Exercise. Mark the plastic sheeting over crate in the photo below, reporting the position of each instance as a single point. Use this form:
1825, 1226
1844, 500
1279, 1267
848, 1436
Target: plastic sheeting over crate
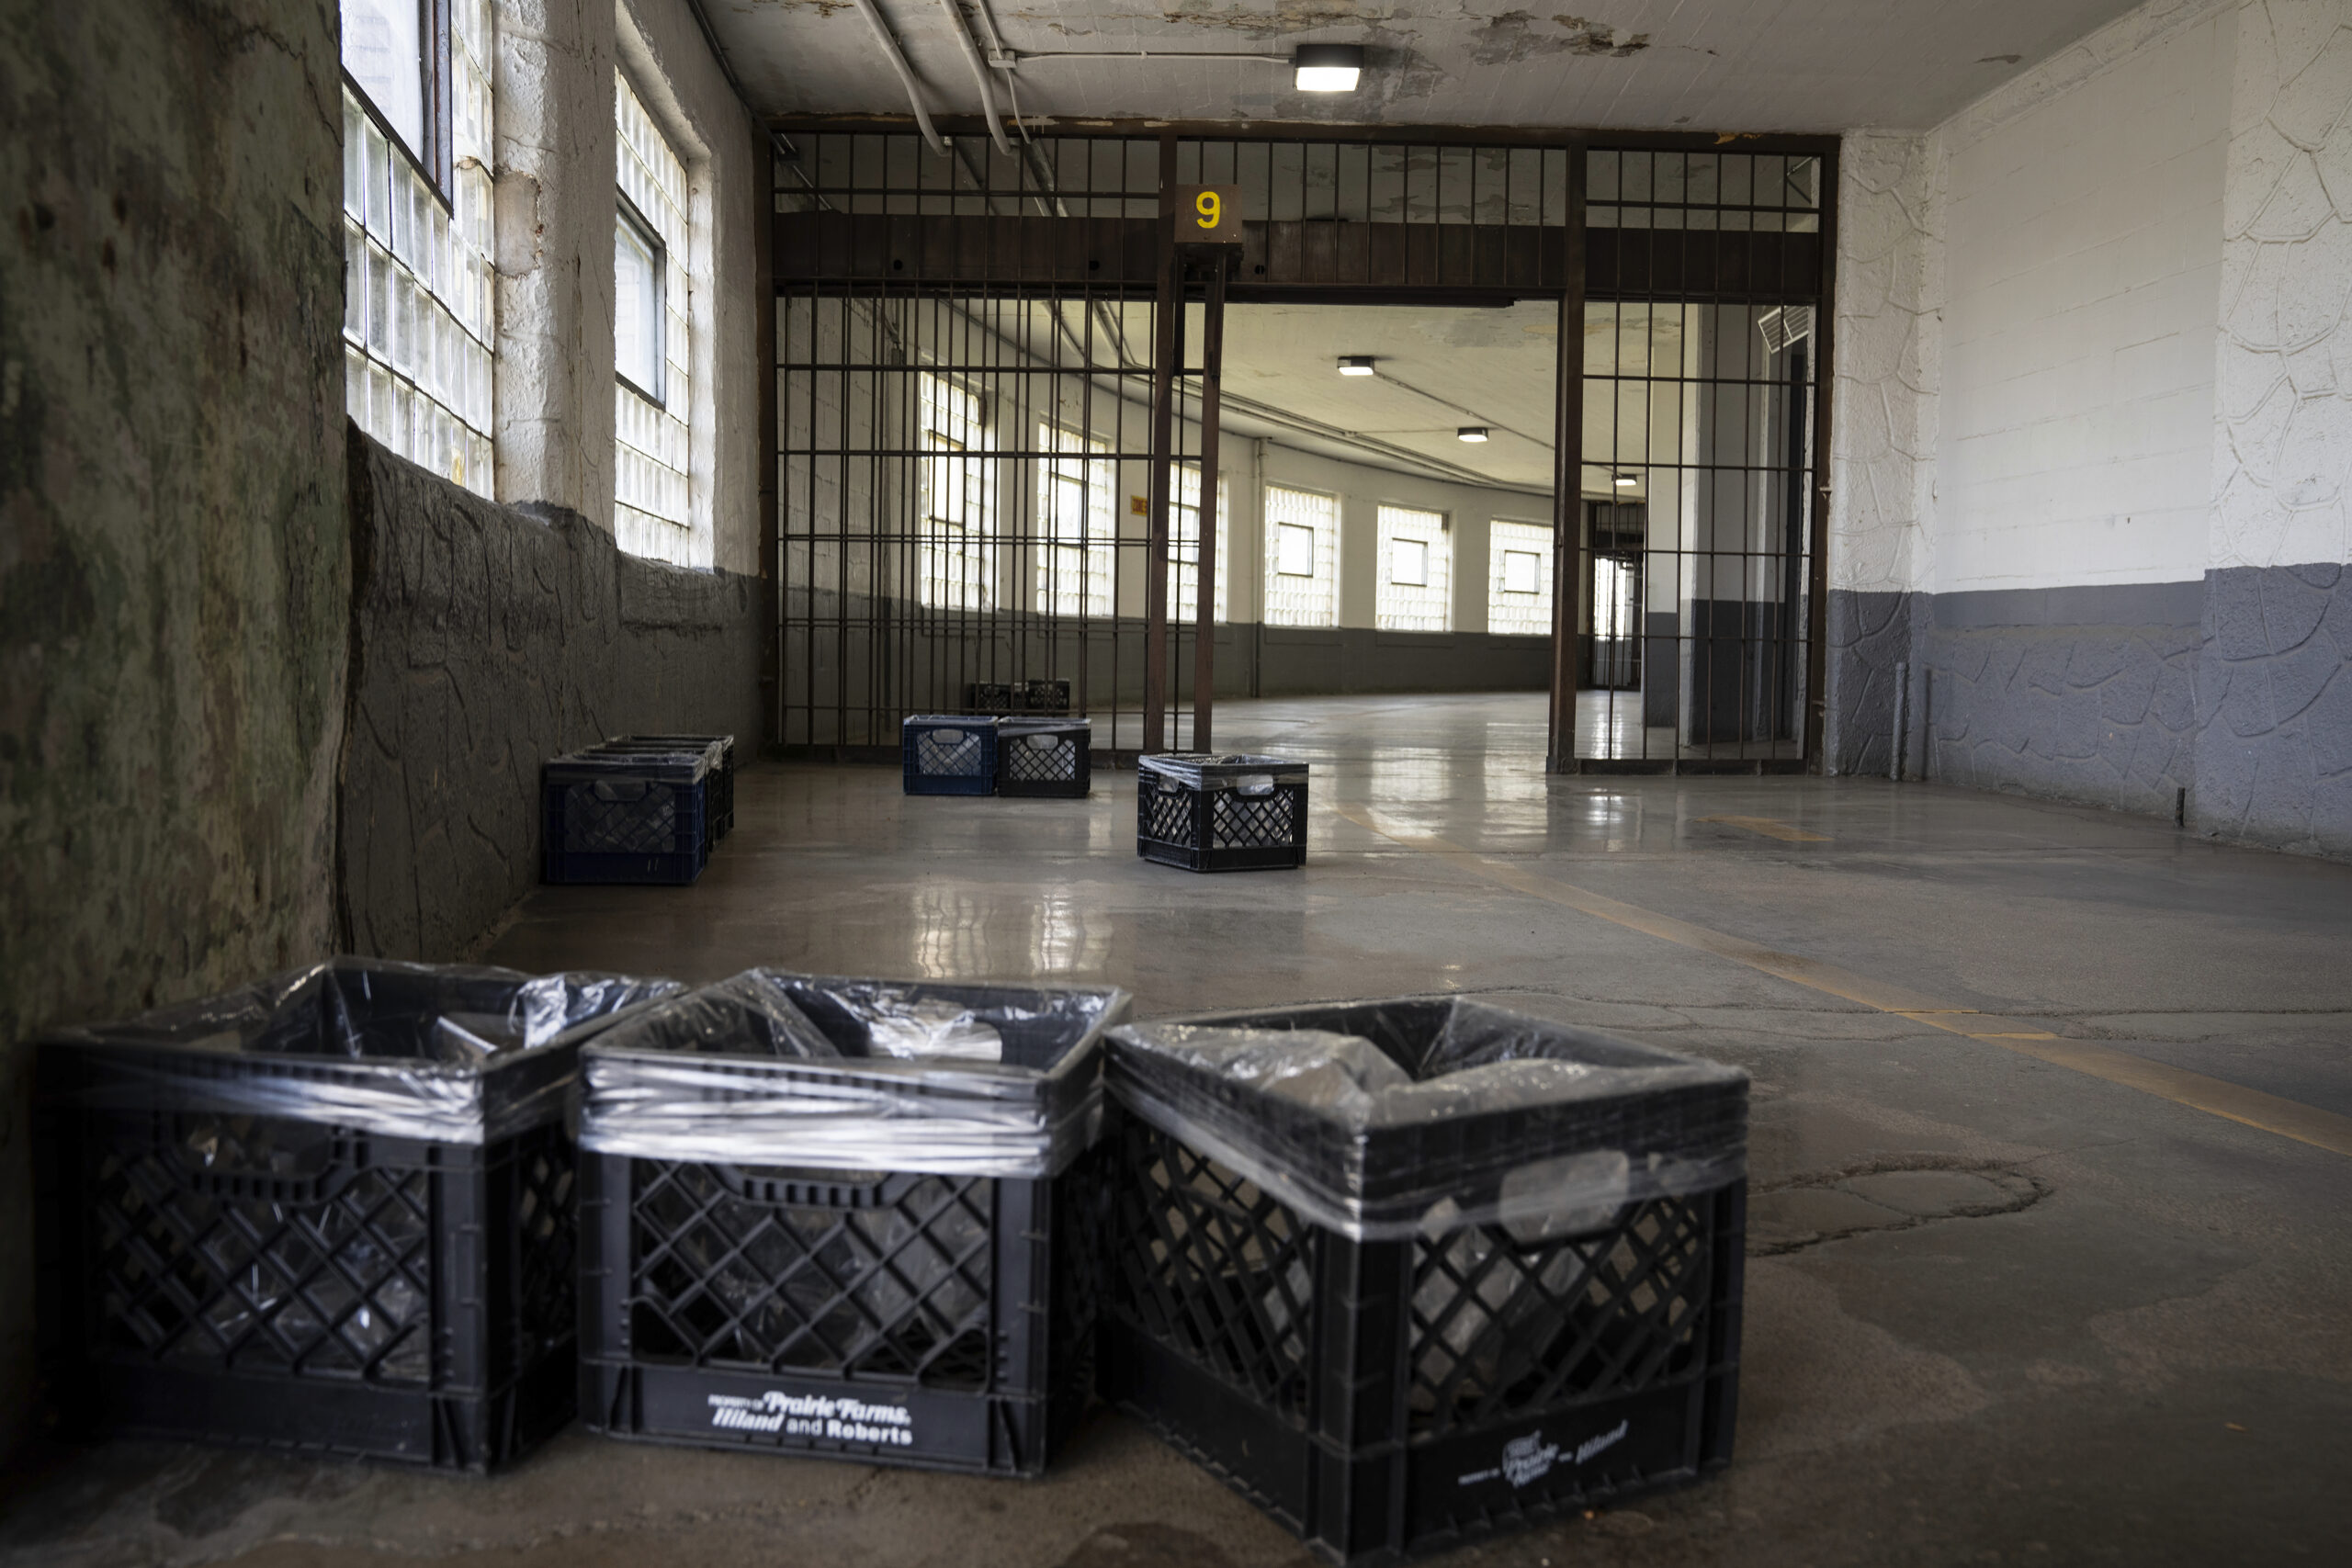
769, 1069
447, 1052
1388, 1119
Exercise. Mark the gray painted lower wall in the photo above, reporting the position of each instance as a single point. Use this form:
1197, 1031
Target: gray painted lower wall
1297, 661
2078, 694
483, 641
1869, 637
2274, 707
2233, 689
930, 659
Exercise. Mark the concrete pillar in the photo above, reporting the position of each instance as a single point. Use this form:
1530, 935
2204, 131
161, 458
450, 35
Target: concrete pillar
556, 171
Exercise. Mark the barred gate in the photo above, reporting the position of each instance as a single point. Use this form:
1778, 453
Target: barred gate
965, 356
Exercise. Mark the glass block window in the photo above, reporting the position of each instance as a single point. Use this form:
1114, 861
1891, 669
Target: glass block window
1415, 587
653, 345
419, 319
1301, 557
956, 552
1184, 549
1076, 504
1519, 583
383, 56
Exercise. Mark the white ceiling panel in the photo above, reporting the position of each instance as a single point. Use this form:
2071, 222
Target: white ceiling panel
1746, 65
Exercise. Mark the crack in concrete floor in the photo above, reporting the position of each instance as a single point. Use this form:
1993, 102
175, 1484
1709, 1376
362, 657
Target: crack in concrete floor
1886, 1192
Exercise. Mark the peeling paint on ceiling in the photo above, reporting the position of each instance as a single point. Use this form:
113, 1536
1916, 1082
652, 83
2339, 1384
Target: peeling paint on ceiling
1725, 65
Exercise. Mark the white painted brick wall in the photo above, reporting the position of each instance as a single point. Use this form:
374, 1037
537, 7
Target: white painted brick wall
2283, 443
2083, 251
2101, 321
1888, 346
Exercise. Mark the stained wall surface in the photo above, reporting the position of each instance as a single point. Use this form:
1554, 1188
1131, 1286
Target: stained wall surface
485, 641
172, 564
184, 581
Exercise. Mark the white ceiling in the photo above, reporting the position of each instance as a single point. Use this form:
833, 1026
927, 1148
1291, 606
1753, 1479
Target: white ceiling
1438, 369
1752, 65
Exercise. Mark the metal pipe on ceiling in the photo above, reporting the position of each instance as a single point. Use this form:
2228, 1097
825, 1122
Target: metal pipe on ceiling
872, 12
971, 51
1013, 59
988, 23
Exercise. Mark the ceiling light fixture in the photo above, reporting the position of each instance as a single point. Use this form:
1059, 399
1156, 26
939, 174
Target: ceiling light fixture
1356, 364
1326, 67
1627, 481
1474, 434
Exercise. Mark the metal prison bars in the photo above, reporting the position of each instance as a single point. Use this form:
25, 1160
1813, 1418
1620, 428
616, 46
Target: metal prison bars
1695, 606
965, 411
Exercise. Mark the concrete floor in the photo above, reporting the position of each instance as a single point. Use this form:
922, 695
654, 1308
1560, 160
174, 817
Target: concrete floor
2019, 1288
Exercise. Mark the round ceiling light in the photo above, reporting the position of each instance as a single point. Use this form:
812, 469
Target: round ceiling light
1474, 434
1356, 364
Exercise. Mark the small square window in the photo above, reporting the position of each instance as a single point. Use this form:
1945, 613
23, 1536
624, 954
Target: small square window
1523, 571
1408, 563
1293, 550
638, 268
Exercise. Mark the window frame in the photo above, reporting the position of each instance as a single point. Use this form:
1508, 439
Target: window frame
438, 159
1185, 547
966, 541
1534, 589
1325, 555
1062, 449
1282, 553
1437, 559
1508, 537
625, 213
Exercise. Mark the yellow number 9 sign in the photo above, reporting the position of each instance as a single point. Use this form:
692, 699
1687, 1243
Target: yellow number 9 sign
1211, 211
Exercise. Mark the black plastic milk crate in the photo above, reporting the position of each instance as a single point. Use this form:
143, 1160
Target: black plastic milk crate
949, 754
623, 818
991, 697
1221, 813
943, 1322
1386, 1398
1045, 757
720, 798
1042, 696
217, 1275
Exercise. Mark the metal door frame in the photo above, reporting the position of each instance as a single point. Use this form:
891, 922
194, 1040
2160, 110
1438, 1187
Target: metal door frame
1530, 269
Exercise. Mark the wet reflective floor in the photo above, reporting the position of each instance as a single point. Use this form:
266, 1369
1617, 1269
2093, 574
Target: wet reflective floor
2050, 1155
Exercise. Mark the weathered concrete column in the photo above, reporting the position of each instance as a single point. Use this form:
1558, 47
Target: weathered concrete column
555, 169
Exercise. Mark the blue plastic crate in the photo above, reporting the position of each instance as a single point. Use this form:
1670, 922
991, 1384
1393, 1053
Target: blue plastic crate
620, 817
722, 779
718, 788
949, 754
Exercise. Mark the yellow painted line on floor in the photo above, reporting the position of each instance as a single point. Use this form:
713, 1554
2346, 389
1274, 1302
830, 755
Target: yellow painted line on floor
1771, 828
2269, 1112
